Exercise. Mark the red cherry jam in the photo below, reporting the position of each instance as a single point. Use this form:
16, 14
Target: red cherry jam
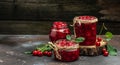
85, 26
67, 50
59, 30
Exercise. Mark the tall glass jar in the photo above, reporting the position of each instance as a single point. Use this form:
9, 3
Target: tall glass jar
59, 30
85, 26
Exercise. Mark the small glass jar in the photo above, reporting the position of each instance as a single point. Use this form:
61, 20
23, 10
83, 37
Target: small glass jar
67, 51
68, 55
85, 26
58, 31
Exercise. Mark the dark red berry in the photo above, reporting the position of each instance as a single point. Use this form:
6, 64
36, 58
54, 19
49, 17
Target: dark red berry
104, 50
97, 43
35, 52
106, 53
99, 39
45, 53
49, 54
40, 53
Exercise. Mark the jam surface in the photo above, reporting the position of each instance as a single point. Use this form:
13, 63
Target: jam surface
68, 55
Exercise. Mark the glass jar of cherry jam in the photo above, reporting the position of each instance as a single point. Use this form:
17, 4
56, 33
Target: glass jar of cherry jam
66, 50
59, 30
85, 26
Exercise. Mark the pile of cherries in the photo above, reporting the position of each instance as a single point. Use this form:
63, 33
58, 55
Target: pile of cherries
65, 43
87, 17
104, 50
59, 24
67, 55
40, 53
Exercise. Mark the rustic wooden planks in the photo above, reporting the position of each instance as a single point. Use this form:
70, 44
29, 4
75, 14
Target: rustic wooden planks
47, 9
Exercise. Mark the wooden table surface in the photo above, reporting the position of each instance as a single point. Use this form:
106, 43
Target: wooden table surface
12, 48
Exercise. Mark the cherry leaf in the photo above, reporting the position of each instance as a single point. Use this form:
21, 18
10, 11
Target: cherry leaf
68, 37
28, 52
79, 39
44, 47
108, 39
108, 35
112, 51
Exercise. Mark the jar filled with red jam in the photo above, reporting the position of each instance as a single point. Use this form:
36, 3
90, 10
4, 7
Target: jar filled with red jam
85, 26
58, 31
66, 50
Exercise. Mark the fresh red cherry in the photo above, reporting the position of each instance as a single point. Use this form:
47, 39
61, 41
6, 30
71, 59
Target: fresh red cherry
104, 50
106, 53
45, 53
40, 53
35, 52
97, 43
49, 54
99, 39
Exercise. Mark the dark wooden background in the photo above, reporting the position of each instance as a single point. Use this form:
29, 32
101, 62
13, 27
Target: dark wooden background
36, 16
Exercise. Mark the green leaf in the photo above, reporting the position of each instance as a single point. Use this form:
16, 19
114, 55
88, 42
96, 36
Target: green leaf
112, 51
68, 37
28, 52
44, 48
41, 45
108, 35
79, 39
108, 39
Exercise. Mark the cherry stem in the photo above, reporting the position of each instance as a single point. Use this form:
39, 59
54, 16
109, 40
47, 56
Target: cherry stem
103, 27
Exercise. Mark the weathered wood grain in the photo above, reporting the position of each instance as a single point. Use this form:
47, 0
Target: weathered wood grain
47, 9
43, 27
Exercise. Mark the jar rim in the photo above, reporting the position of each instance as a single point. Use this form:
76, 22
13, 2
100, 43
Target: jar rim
79, 20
